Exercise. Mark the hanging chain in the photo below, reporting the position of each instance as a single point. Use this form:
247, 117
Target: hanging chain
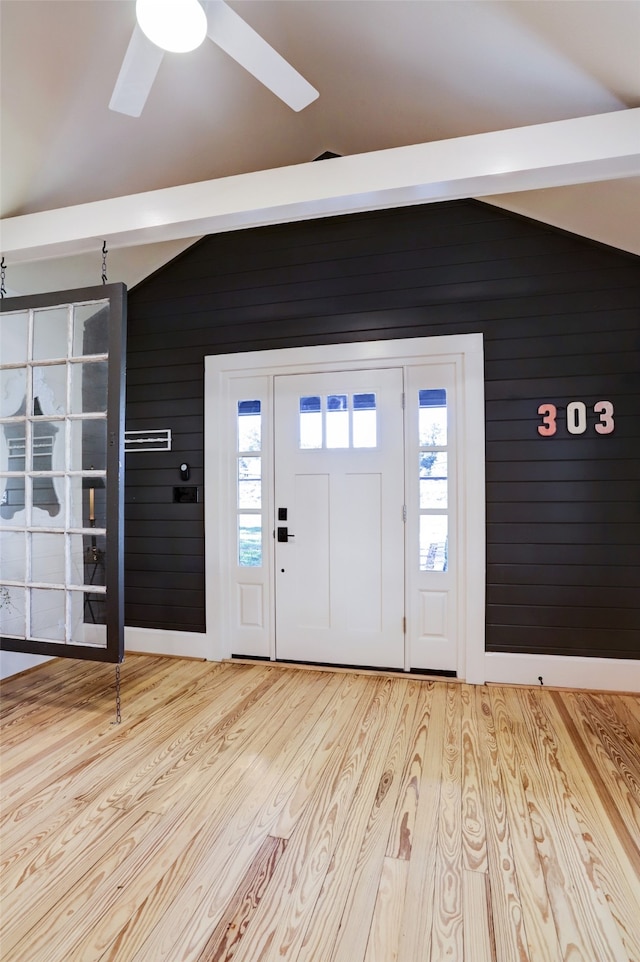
118, 708
3, 274
104, 262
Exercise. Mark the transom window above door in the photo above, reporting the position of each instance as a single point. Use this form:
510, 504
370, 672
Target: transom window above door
334, 421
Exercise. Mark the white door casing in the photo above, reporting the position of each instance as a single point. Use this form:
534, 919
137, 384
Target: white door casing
445, 615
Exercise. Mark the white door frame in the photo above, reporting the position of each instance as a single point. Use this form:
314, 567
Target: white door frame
466, 351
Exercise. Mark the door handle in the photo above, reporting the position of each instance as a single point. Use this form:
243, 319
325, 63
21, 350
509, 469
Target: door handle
284, 534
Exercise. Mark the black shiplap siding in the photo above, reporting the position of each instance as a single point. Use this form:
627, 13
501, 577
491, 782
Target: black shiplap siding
561, 322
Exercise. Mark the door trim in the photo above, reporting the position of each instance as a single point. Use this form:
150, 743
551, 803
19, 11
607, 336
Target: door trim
466, 350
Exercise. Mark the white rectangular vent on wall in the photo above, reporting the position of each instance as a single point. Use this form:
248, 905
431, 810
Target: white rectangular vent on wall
157, 440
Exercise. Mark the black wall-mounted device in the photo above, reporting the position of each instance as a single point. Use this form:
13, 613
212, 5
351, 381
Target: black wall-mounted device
185, 471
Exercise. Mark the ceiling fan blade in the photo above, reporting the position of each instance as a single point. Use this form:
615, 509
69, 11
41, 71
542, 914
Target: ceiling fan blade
137, 73
230, 32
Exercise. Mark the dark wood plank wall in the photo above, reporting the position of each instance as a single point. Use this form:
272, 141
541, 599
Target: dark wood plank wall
561, 322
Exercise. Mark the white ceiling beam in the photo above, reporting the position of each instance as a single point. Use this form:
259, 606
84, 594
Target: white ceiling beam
582, 150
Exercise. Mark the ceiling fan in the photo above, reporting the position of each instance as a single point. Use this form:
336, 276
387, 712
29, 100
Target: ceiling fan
228, 30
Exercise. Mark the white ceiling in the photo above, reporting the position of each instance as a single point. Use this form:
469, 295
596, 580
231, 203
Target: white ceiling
389, 72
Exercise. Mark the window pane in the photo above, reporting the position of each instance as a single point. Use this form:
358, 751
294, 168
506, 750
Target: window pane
249, 482
433, 479
47, 496
88, 559
432, 418
48, 445
12, 611
364, 421
249, 426
433, 542
13, 337
249, 540
337, 421
310, 422
47, 614
88, 445
90, 328
12, 553
47, 558
13, 391
89, 388
88, 616
50, 333
49, 390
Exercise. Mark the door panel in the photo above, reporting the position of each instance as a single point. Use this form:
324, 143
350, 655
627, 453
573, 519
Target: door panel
339, 473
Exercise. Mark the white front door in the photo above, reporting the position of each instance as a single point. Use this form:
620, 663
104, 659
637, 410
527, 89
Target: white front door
339, 503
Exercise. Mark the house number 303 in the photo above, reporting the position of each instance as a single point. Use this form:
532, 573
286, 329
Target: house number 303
576, 418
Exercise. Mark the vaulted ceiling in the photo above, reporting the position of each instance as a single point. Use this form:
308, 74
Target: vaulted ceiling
389, 73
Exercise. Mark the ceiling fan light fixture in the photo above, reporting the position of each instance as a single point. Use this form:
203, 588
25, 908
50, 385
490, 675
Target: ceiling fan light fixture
175, 25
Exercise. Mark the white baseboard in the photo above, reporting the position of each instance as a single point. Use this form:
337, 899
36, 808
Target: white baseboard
156, 641
559, 671
13, 662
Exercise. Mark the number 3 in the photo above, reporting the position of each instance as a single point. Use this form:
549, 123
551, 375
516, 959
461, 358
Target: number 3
548, 426
605, 410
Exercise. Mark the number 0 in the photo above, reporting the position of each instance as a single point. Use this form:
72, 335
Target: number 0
576, 417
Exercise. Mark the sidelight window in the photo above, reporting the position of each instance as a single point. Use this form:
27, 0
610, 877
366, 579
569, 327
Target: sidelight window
249, 484
433, 480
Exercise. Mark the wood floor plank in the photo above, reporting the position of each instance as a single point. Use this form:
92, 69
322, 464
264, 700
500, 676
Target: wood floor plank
321, 817
584, 925
506, 904
383, 943
613, 852
474, 838
447, 929
538, 920
402, 828
351, 884
478, 930
303, 871
417, 920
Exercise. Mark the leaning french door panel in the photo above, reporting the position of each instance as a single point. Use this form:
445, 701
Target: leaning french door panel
339, 494
433, 545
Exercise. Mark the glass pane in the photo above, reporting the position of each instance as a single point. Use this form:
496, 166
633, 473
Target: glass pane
433, 542
249, 540
88, 559
12, 511
13, 391
337, 421
14, 328
249, 483
89, 388
310, 422
88, 444
50, 333
49, 390
47, 558
47, 499
47, 614
432, 418
88, 618
12, 611
433, 479
87, 502
90, 328
364, 421
249, 426
12, 555
48, 445
12, 453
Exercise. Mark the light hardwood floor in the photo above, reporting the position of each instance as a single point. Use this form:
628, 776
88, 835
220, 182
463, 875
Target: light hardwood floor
256, 813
